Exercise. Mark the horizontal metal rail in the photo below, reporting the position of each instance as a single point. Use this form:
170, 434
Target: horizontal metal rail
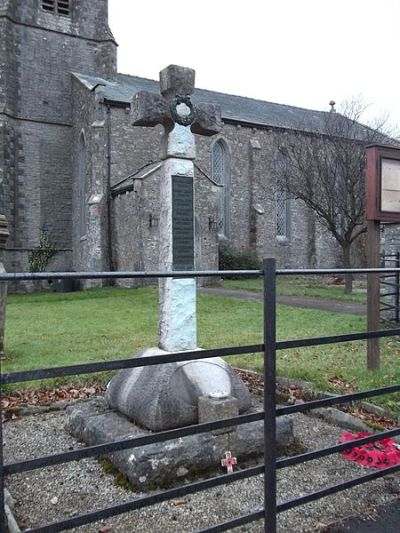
319, 341
125, 444
337, 448
145, 501
236, 522
31, 276
301, 500
163, 436
346, 398
87, 368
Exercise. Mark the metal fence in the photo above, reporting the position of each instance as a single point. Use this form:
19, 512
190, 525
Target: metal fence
271, 463
390, 289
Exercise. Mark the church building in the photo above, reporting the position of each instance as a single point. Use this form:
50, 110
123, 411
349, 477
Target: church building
74, 168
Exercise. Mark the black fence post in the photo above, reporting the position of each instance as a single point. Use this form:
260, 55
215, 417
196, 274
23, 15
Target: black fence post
397, 289
2, 502
3, 294
269, 395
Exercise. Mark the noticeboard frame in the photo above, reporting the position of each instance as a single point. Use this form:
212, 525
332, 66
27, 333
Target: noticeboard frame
375, 155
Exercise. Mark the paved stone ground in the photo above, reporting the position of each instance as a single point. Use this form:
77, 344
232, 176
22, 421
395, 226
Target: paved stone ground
336, 306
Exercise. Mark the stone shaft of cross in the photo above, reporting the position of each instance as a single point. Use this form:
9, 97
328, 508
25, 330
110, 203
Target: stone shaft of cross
181, 119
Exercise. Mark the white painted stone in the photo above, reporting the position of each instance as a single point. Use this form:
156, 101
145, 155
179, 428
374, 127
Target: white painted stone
180, 143
178, 329
208, 382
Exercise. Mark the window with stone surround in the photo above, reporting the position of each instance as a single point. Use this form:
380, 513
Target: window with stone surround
82, 186
221, 176
282, 201
282, 215
61, 7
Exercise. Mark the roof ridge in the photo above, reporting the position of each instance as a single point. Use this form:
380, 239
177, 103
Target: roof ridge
232, 95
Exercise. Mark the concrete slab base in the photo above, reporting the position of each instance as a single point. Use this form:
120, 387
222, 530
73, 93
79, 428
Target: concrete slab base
163, 464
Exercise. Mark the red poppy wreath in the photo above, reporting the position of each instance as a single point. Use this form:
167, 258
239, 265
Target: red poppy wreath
379, 454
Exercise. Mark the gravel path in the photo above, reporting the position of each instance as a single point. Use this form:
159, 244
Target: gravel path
52, 493
305, 302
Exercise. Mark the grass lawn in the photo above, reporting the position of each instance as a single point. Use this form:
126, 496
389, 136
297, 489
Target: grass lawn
54, 329
317, 287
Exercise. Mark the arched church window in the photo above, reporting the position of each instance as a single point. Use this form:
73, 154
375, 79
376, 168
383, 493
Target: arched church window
282, 215
61, 7
82, 186
221, 176
282, 199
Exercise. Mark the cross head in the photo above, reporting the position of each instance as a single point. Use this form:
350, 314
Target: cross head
174, 105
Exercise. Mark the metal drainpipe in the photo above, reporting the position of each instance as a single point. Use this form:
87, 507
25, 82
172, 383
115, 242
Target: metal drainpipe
109, 199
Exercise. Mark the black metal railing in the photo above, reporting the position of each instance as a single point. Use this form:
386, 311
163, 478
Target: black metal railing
390, 289
269, 347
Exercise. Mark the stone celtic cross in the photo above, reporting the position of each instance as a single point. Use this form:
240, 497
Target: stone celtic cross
173, 108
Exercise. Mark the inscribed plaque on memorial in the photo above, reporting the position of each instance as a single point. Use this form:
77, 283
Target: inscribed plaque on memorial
390, 194
182, 223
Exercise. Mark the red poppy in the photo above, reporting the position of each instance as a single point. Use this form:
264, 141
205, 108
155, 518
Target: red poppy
379, 454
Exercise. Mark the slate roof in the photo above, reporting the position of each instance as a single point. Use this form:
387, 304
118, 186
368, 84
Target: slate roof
236, 108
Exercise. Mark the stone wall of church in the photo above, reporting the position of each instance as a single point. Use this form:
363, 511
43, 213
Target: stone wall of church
252, 157
252, 194
136, 228
42, 189
90, 228
9, 67
38, 51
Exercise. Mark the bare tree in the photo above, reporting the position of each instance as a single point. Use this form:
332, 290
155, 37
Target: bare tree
326, 170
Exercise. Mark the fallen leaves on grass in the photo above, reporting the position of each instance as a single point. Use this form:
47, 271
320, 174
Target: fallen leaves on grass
342, 384
294, 394
371, 418
252, 381
12, 403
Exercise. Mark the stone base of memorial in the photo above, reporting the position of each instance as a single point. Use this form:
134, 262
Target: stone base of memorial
158, 398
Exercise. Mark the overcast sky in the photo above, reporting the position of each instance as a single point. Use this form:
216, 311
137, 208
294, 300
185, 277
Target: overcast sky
298, 52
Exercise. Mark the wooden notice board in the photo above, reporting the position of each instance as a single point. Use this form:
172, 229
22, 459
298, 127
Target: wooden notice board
383, 184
